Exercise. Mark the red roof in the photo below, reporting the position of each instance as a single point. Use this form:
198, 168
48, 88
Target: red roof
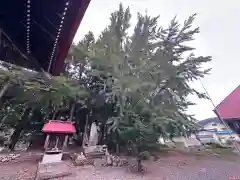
57, 126
229, 108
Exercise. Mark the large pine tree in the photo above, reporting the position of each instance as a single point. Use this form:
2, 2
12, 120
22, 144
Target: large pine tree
146, 74
136, 83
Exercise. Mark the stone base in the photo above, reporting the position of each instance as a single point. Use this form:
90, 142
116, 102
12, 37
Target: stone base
52, 170
81, 160
95, 151
97, 148
52, 158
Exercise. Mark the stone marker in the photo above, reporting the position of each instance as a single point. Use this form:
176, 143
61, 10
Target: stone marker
53, 170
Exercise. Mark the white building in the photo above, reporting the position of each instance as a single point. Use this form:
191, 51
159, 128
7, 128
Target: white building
214, 128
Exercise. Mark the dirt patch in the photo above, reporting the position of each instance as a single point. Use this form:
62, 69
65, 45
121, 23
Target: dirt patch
22, 168
18, 171
172, 166
53, 170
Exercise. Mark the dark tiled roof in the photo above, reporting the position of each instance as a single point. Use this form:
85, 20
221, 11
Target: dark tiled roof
209, 120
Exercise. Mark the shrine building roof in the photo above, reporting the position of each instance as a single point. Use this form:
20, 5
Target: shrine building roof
229, 108
58, 126
42, 29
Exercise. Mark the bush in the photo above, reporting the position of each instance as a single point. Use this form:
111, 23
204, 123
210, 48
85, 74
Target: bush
163, 146
229, 142
145, 155
216, 145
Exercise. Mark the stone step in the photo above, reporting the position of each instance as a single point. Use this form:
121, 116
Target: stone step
53, 170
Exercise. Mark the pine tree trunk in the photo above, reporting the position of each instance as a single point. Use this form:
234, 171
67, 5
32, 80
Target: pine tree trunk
19, 128
85, 130
117, 149
3, 120
139, 165
71, 112
4, 89
65, 143
55, 113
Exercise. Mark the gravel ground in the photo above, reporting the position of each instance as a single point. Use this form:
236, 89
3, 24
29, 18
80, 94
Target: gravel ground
165, 169
18, 171
170, 168
22, 168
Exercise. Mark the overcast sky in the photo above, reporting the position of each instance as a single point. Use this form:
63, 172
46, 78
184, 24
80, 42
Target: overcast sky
219, 37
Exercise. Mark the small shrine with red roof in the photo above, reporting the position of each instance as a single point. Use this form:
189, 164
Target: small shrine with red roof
57, 138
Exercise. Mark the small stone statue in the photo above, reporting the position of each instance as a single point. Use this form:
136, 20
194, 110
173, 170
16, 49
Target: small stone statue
93, 138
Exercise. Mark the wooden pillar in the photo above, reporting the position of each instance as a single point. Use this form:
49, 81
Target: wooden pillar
46, 142
57, 141
65, 142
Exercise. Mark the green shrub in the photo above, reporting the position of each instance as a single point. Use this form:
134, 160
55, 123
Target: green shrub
216, 145
229, 142
163, 146
145, 155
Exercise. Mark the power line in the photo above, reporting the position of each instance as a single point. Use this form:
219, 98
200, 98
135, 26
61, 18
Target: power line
218, 115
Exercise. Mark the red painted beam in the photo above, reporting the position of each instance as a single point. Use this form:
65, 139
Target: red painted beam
58, 64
